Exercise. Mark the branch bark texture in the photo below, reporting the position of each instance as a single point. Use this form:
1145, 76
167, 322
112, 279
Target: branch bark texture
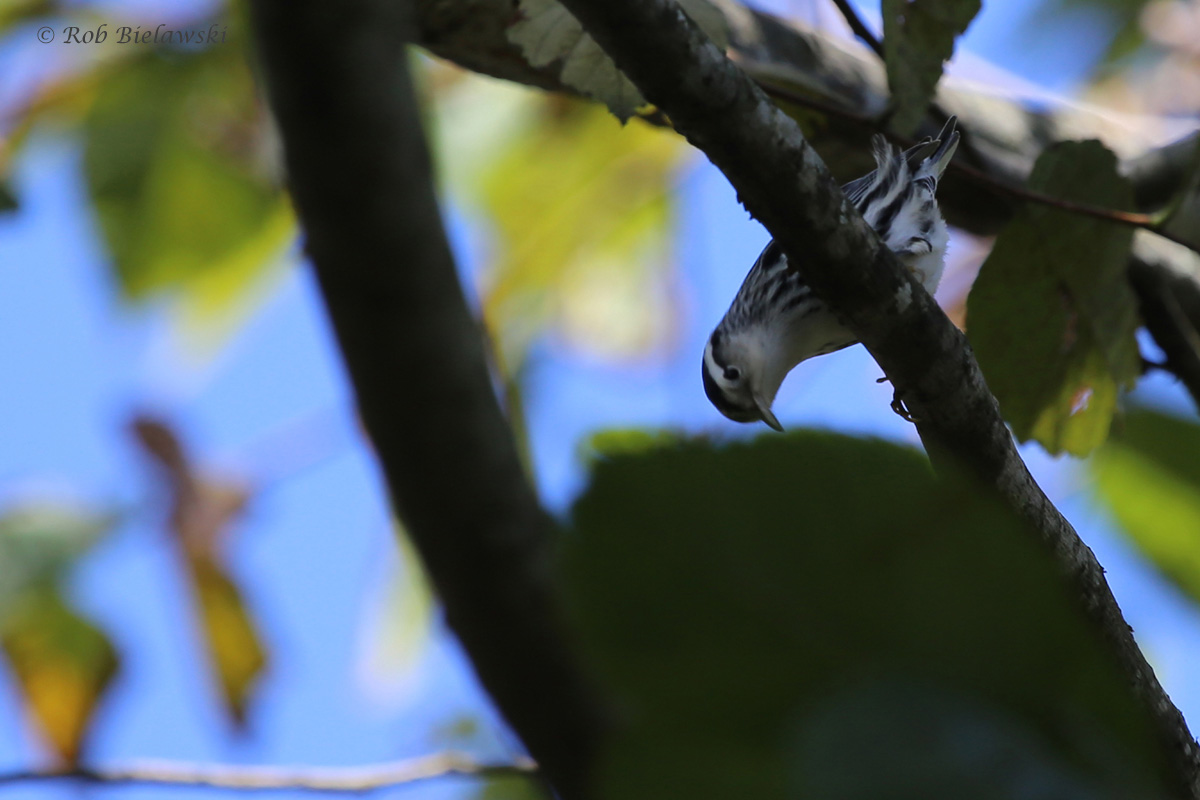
783, 183
360, 176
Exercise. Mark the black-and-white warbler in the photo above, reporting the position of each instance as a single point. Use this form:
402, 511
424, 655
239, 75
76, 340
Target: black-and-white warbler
775, 321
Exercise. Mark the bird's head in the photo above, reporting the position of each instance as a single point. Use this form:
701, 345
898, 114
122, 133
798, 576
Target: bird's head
740, 378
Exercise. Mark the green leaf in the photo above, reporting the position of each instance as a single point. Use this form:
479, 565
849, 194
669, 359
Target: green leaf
926, 742
39, 542
725, 593
615, 442
515, 787
172, 157
1149, 476
62, 663
1051, 316
546, 33
918, 38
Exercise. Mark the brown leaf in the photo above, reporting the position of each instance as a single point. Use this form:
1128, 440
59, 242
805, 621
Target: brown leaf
202, 512
62, 663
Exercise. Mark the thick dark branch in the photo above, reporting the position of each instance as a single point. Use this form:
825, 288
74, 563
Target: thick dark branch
784, 184
359, 171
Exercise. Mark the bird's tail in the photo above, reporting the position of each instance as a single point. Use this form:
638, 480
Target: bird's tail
946, 143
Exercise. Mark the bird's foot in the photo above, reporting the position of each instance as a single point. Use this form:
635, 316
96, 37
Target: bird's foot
898, 403
901, 409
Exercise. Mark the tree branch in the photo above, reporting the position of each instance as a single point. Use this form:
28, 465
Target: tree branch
856, 25
326, 779
1166, 278
359, 172
785, 185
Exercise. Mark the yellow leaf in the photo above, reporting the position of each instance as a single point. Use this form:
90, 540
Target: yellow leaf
62, 662
234, 646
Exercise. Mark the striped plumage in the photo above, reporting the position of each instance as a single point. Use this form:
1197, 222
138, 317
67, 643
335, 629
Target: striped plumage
775, 321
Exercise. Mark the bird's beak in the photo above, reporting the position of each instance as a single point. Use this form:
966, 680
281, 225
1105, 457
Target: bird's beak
764, 410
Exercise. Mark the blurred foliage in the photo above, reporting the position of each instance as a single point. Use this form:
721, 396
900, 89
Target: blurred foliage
546, 32
179, 160
174, 167
14, 12
8, 200
202, 512
1051, 316
768, 607
580, 208
399, 635
918, 37
512, 788
1165, 78
624, 441
1149, 475
61, 661
926, 742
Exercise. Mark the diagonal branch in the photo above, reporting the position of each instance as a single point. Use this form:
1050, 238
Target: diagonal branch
860, 29
242, 778
1166, 278
783, 182
338, 81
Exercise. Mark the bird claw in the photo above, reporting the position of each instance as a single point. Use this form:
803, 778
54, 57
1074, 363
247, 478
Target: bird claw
898, 404
901, 409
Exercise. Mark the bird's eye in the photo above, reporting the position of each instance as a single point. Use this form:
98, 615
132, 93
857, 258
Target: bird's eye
733, 374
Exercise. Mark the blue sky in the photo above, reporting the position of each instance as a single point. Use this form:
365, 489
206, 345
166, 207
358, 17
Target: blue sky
316, 554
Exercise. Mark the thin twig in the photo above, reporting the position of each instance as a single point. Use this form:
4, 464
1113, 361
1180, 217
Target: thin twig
323, 779
860, 29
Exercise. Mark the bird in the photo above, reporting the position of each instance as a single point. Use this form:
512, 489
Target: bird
776, 321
